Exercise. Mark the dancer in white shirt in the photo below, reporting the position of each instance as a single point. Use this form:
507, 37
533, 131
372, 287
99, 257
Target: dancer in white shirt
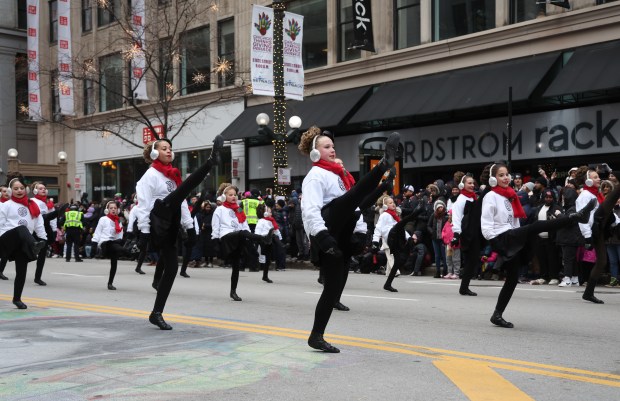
20, 217
39, 190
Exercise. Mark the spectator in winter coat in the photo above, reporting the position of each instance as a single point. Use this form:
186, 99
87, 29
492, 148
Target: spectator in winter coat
435, 228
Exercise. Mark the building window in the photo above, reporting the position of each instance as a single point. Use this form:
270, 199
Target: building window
604, 1
22, 19
166, 69
53, 5
89, 97
55, 96
314, 50
524, 10
226, 53
452, 18
346, 24
108, 12
21, 86
87, 15
406, 23
195, 61
110, 82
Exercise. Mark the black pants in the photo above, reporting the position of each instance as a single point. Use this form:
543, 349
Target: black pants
73, 241
3, 264
335, 268
569, 259
511, 265
40, 262
547, 253
168, 264
16, 244
113, 250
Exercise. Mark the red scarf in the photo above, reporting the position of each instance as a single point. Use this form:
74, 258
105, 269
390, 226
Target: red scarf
117, 226
3, 199
594, 191
337, 169
30, 204
393, 214
166, 169
237, 209
468, 194
273, 221
511, 195
48, 203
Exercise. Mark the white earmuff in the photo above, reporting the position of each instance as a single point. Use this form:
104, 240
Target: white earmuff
492, 179
385, 206
9, 191
35, 191
106, 210
462, 183
589, 181
154, 152
315, 155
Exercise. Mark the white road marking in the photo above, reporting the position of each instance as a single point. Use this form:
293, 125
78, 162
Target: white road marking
368, 296
76, 275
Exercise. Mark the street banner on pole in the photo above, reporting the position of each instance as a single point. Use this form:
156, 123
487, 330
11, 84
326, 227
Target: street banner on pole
262, 51
65, 64
293, 64
138, 61
363, 38
34, 89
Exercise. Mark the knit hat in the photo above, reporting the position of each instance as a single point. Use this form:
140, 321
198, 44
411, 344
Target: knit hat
408, 188
541, 180
439, 203
529, 185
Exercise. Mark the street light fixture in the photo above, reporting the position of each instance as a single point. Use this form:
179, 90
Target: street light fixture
62, 156
291, 136
262, 119
13, 153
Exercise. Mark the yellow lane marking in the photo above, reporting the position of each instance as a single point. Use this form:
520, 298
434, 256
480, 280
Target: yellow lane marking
479, 382
607, 379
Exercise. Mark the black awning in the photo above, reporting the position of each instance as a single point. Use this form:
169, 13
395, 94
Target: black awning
327, 110
591, 68
456, 90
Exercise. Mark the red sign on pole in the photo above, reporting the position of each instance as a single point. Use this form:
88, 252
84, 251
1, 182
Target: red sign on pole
148, 135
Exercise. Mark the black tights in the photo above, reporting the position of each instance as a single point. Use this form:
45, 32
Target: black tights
113, 250
3, 264
40, 262
398, 244
168, 265
21, 268
335, 267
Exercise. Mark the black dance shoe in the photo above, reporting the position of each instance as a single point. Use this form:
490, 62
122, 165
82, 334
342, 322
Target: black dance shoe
391, 149
467, 292
20, 304
341, 307
317, 341
267, 280
79, 260
218, 144
592, 298
40, 282
158, 320
111, 287
3, 277
139, 271
389, 288
184, 274
234, 296
498, 320
583, 216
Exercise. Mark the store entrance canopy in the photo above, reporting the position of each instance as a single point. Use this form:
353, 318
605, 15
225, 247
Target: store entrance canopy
327, 110
591, 68
455, 90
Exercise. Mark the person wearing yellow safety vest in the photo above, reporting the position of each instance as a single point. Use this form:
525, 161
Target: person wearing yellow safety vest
250, 203
73, 229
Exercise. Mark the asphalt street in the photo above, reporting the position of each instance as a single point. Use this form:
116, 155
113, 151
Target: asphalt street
79, 341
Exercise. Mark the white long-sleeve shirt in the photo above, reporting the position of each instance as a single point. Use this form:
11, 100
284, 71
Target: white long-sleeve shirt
44, 210
13, 214
131, 219
154, 185
319, 188
458, 212
263, 226
225, 221
383, 227
106, 231
581, 202
497, 216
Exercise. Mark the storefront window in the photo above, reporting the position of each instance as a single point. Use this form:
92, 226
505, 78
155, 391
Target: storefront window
346, 23
314, 50
406, 23
524, 10
452, 18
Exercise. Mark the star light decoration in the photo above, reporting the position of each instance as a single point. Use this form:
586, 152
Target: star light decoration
199, 78
223, 66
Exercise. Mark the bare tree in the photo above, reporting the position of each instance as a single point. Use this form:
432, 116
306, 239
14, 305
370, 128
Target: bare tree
174, 44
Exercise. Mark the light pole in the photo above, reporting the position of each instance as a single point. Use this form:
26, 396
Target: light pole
280, 158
